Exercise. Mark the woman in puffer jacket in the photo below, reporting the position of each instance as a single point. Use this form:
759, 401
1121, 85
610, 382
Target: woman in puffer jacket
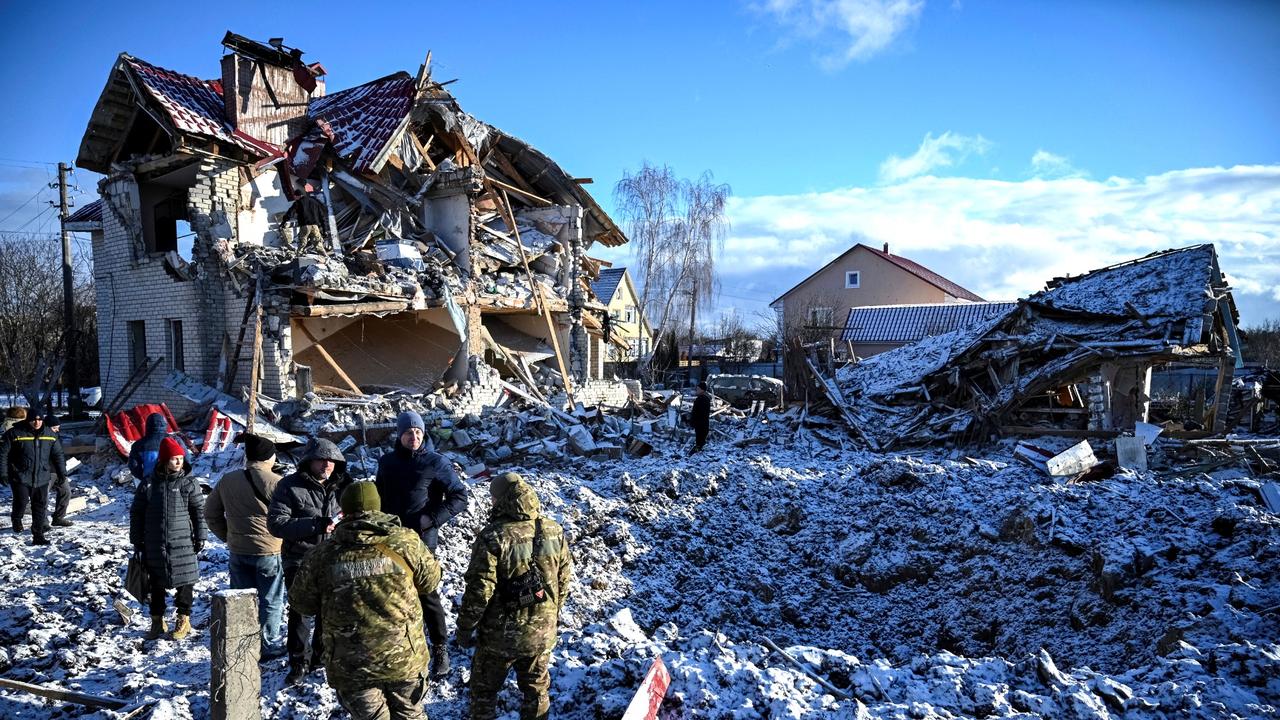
167, 527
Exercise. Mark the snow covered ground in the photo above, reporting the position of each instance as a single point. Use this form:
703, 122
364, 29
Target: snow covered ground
923, 585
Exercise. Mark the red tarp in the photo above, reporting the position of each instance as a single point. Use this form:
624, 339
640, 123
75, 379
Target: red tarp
128, 426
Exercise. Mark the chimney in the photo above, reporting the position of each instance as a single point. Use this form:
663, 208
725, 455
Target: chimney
886, 248
263, 99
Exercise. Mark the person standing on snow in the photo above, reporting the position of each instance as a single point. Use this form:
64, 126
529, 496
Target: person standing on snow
237, 513
29, 454
146, 450
166, 526
61, 483
700, 417
304, 510
368, 581
517, 582
422, 489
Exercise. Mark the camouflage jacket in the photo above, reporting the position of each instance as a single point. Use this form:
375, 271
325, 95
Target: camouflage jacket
501, 551
366, 581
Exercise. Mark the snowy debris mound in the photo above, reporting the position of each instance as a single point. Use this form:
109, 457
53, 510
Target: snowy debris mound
915, 586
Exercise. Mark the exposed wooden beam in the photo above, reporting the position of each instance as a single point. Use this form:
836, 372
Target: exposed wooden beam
333, 364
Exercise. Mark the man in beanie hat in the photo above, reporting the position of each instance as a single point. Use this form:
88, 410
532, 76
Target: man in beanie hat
421, 487
517, 582
303, 511
61, 483
236, 511
28, 455
368, 580
166, 526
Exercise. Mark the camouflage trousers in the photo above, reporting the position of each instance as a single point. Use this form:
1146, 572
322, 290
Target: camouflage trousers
393, 701
489, 673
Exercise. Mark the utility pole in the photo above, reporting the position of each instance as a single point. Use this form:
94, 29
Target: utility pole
68, 299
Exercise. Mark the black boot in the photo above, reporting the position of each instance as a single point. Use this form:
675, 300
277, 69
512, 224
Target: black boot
296, 674
439, 662
61, 522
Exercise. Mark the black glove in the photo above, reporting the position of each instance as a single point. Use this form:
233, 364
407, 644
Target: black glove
466, 638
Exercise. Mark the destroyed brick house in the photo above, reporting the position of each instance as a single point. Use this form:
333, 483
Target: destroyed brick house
1075, 359
446, 238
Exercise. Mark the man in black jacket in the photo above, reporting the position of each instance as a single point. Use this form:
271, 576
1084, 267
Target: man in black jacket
304, 510
28, 455
421, 487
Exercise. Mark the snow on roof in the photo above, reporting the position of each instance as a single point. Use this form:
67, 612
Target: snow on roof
193, 105
905, 366
909, 323
1171, 283
607, 284
366, 117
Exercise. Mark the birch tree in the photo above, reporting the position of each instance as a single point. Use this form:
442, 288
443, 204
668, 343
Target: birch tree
677, 228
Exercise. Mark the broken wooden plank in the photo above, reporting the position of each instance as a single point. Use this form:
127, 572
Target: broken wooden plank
527, 195
70, 696
333, 364
808, 671
365, 308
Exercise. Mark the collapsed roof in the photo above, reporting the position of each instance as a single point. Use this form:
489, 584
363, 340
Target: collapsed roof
1168, 306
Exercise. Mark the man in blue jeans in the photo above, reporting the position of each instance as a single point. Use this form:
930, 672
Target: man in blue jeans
236, 511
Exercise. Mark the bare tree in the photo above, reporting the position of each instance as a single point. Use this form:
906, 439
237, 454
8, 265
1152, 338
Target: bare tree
1262, 343
31, 327
676, 227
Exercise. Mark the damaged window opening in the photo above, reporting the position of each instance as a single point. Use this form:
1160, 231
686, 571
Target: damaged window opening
176, 354
137, 343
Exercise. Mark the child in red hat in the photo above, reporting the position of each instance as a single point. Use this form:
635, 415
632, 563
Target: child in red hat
167, 528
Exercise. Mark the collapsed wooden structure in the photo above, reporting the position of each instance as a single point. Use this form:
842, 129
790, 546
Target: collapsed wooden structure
1075, 358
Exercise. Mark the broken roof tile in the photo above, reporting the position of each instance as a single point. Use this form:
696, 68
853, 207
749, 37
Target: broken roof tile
194, 105
365, 118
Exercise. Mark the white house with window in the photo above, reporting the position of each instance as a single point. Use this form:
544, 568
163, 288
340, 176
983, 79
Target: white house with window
633, 338
861, 276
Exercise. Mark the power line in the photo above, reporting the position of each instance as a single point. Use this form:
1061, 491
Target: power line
28, 202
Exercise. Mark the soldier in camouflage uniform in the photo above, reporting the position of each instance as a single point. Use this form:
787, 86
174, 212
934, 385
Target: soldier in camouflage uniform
367, 581
505, 634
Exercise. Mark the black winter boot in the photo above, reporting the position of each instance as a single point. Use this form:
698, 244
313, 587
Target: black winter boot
439, 662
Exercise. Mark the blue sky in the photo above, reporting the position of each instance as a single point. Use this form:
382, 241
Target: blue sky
999, 143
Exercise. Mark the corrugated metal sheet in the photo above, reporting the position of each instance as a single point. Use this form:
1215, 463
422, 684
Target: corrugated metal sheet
89, 213
366, 117
909, 323
194, 105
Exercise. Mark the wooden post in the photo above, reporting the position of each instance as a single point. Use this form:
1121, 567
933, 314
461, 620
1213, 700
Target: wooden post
537, 294
235, 681
254, 368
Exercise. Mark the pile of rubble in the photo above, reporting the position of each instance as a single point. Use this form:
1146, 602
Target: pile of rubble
1075, 357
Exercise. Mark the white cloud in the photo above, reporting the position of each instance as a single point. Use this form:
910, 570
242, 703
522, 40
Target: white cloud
934, 152
861, 28
1045, 164
1004, 239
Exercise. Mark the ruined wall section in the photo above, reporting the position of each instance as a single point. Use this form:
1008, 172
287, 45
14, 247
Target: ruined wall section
217, 208
134, 287
579, 348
